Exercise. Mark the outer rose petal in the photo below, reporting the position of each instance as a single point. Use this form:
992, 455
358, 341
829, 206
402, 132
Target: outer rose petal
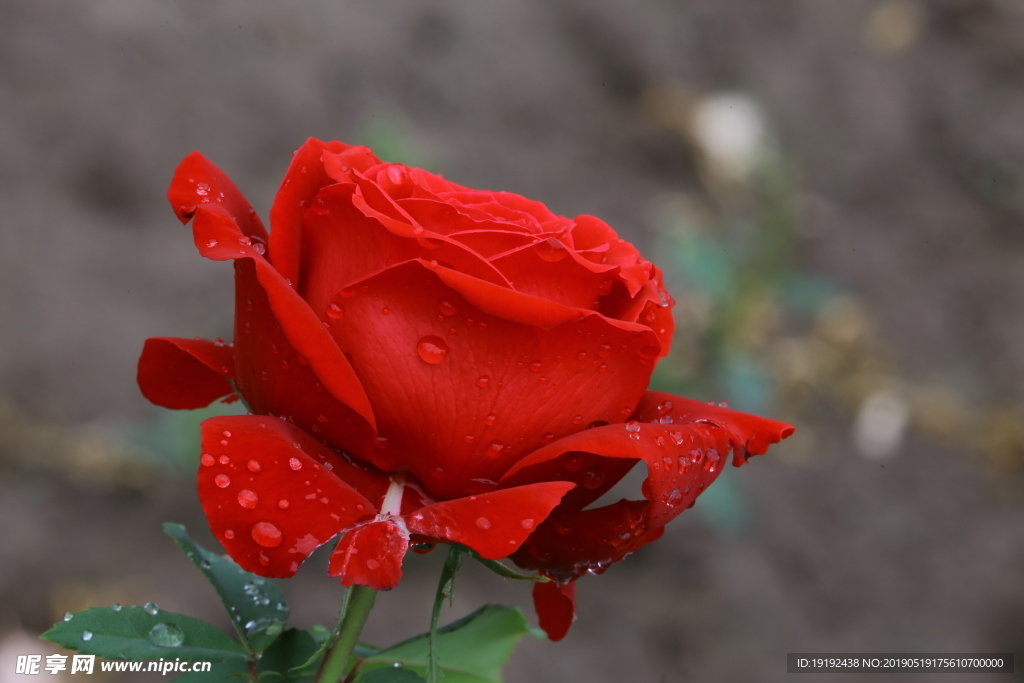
305, 177
198, 181
449, 380
276, 380
217, 237
493, 524
271, 493
185, 373
370, 555
556, 607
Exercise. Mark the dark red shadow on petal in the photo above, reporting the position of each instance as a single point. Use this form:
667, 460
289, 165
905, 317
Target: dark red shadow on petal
493, 524
185, 374
370, 555
272, 493
556, 607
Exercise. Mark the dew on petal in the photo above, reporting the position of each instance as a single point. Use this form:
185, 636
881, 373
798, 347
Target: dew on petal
604, 350
267, 534
229, 534
283, 504
223, 460
247, 499
335, 311
483, 523
535, 366
593, 478
432, 349
295, 464
527, 523
222, 480
372, 564
577, 420
254, 466
207, 460
446, 308
483, 381
490, 420
603, 367
495, 449
437, 473
649, 352
264, 560
573, 462
551, 250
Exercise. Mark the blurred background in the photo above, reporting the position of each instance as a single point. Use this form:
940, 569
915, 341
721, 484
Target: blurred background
833, 187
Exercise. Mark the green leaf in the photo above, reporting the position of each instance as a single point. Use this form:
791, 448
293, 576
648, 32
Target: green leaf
256, 606
507, 572
289, 658
137, 633
471, 650
229, 672
390, 674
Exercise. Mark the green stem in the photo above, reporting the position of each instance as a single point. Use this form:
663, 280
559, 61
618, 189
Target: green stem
354, 610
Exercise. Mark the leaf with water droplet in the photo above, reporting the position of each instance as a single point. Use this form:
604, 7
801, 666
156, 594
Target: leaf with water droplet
247, 597
132, 633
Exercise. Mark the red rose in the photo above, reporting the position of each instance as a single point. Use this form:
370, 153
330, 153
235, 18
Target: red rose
427, 362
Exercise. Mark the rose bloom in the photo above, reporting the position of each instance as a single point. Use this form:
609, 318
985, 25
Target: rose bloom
425, 362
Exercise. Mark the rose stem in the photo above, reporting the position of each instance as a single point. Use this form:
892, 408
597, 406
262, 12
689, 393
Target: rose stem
355, 608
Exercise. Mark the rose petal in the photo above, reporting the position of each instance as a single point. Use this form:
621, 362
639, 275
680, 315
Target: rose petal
450, 403
271, 492
185, 374
370, 555
493, 524
217, 237
276, 380
550, 270
198, 181
570, 545
342, 245
556, 607
305, 177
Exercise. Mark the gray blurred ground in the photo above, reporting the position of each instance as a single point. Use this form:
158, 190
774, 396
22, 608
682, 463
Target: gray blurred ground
909, 144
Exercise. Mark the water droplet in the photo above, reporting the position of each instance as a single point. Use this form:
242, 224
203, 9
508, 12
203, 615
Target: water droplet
247, 499
604, 350
335, 311
87, 635
677, 438
202, 189
437, 473
527, 523
432, 349
223, 442
446, 308
551, 250
605, 287
581, 355
632, 426
267, 534
649, 352
674, 498
151, 608
223, 460
385, 311
229, 534
283, 504
593, 478
259, 248
483, 523
254, 466
483, 381
495, 449
697, 456
535, 366
645, 489
577, 420
166, 635
603, 367
295, 464
68, 616
573, 463
211, 243
116, 607
490, 420
207, 460
264, 560
222, 480
563, 529
469, 438
538, 551
669, 462
372, 564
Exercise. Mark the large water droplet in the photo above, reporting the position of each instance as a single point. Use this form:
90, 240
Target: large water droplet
446, 308
267, 534
86, 635
202, 189
335, 311
222, 480
295, 464
166, 635
224, 460
483, 523
490, 420
283, 504
552, 250
151, 608
247, 499
229, 534
432, 349
254, 466
68, 616
207, 460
